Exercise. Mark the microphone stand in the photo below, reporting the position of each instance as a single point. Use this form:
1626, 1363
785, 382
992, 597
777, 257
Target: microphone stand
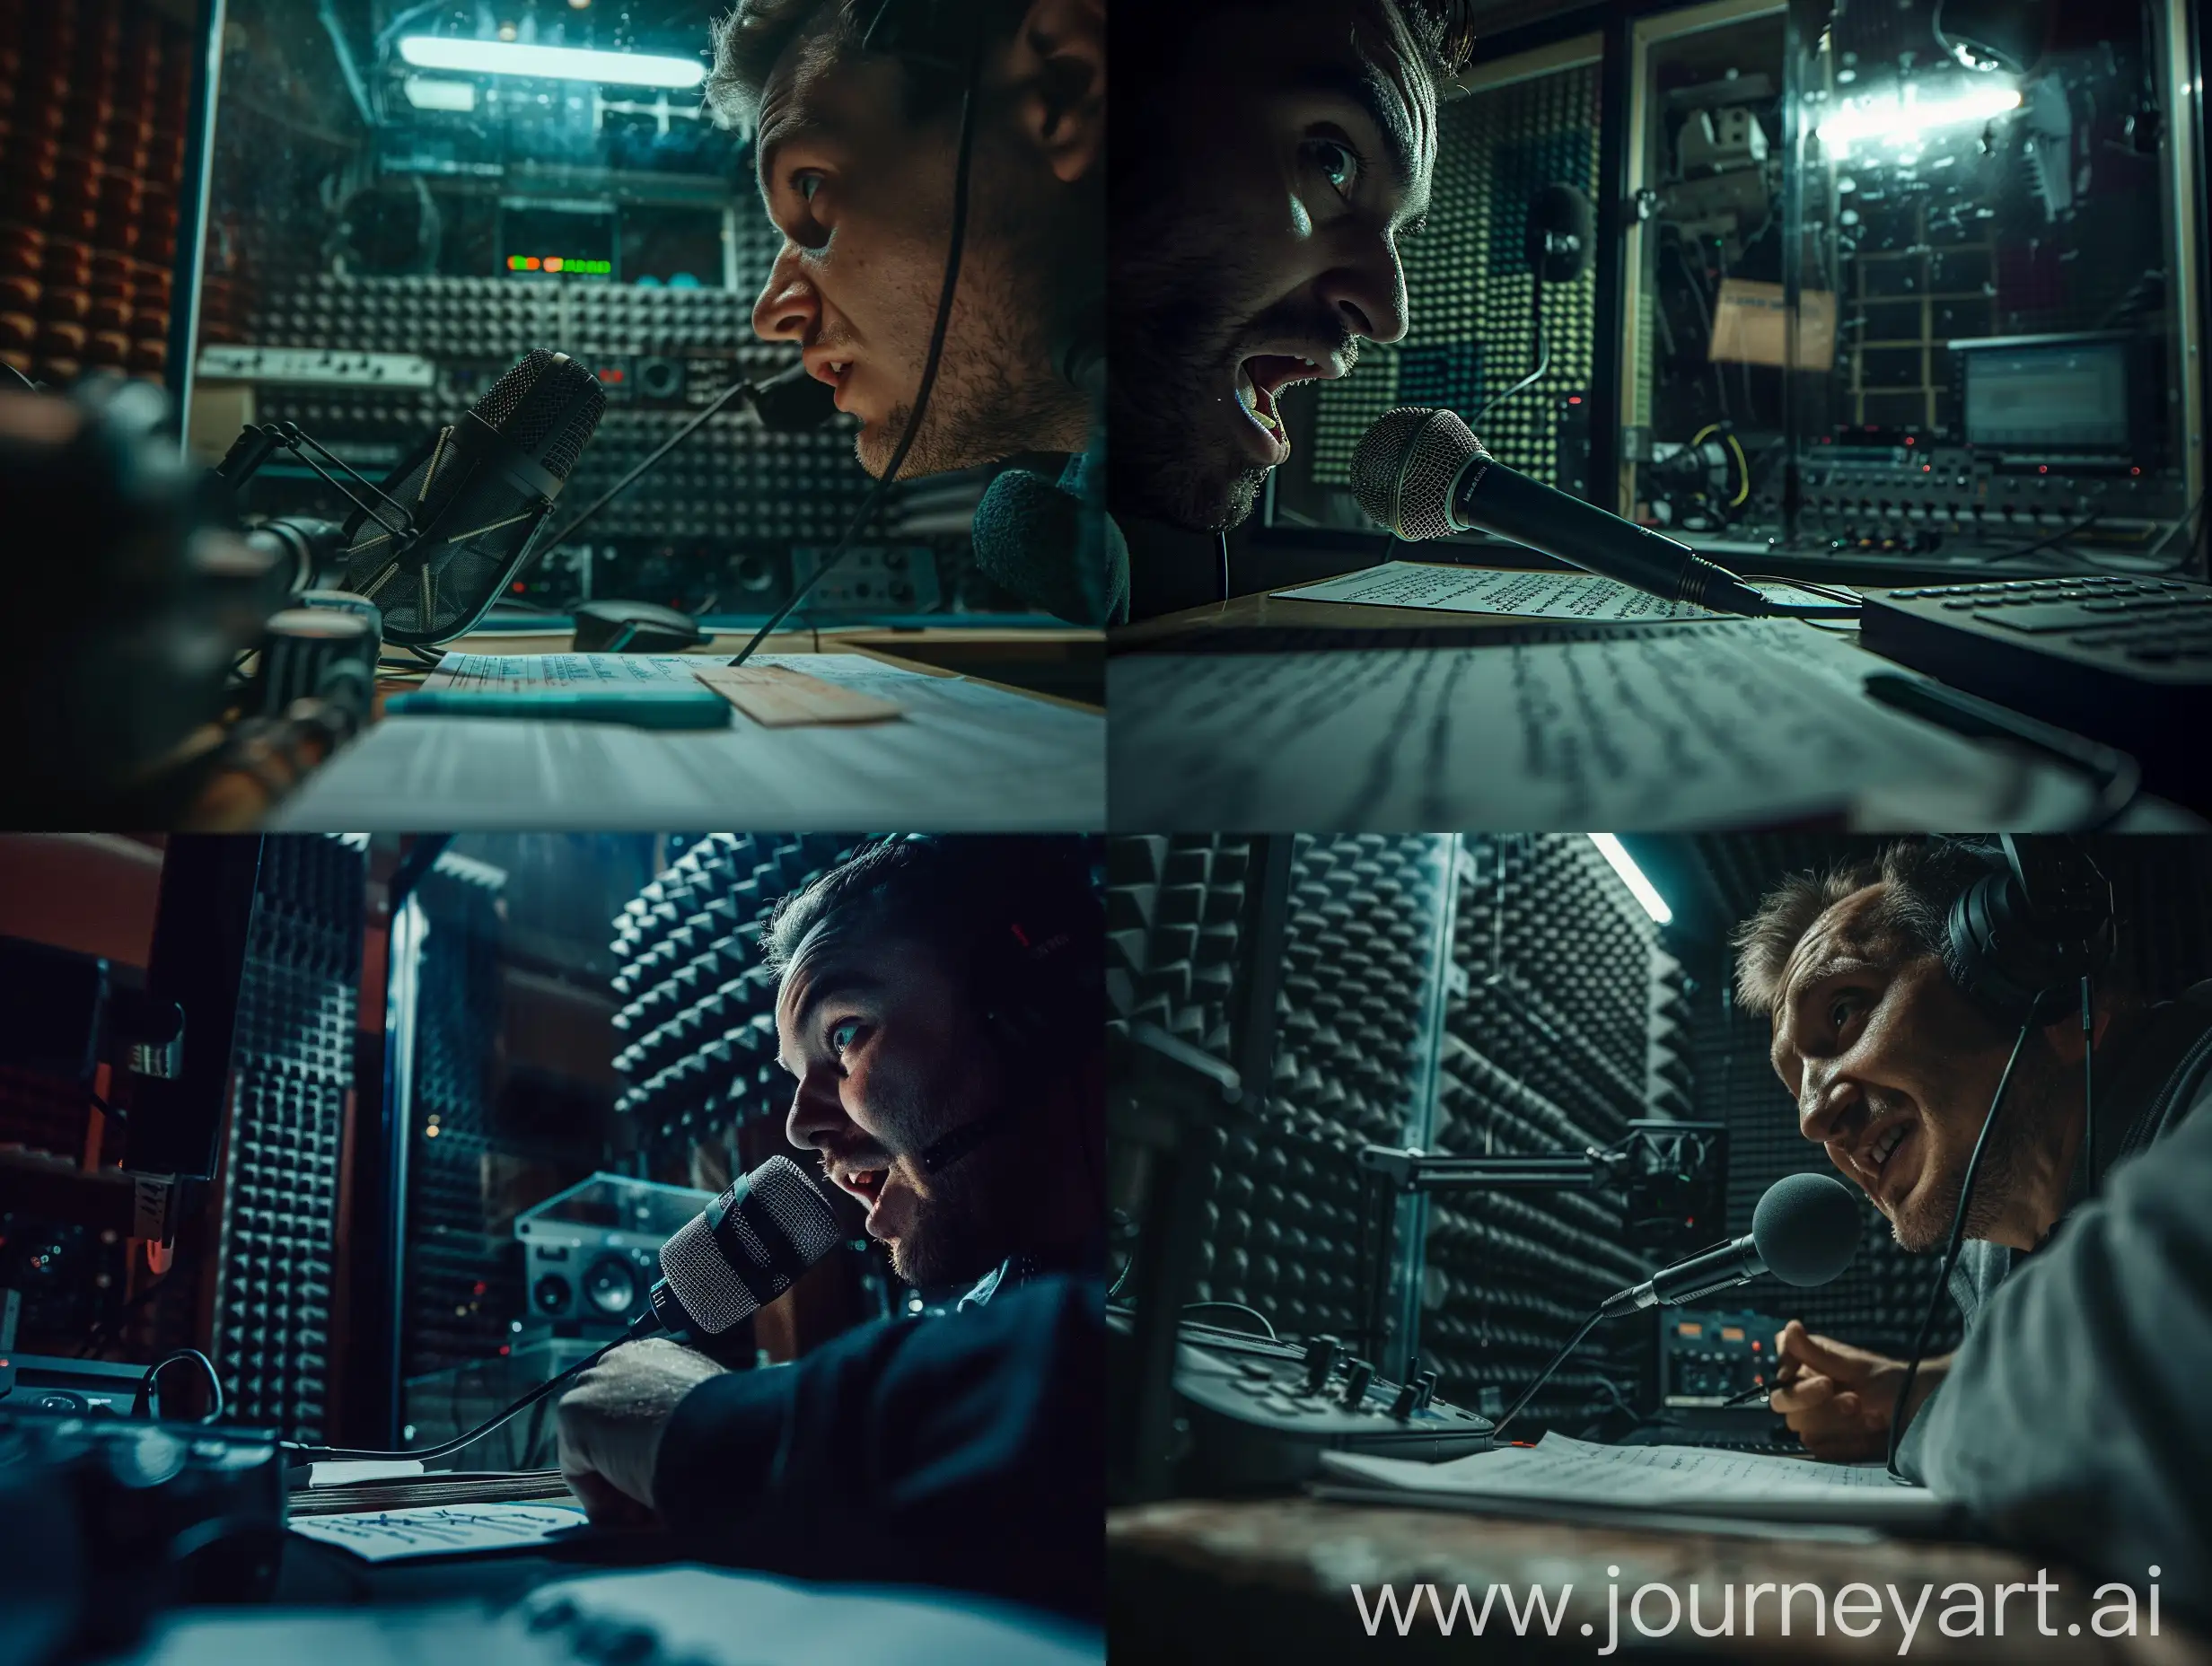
1412, 1172
255, 445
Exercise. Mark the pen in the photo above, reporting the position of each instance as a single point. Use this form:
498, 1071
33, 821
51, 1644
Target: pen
644, 708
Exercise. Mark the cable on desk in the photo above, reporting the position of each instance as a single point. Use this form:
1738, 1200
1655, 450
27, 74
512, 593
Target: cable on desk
1236, 1307
142, 1401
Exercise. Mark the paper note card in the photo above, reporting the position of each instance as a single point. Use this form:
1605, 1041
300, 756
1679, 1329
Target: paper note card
782, 698
442, 1529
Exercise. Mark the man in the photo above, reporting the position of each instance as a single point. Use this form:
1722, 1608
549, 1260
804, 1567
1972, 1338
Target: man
933, 995
856, 157
2066, 1418
1258, 205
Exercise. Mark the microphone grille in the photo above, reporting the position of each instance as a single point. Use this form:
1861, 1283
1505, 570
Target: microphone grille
536, 407
1405, 466
717, 1261
1807, 1228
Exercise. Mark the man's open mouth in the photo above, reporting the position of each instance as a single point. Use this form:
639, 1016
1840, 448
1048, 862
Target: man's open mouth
866, 1184
1261, 381
1885, 1149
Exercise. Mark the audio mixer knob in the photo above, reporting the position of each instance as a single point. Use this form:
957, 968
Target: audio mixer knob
1356, 1377
1320, 1359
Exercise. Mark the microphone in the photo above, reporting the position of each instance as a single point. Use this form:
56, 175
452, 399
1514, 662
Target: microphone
457, 521
1422, 474
1558, 238
1038, 538
1804, 1231
740, 1253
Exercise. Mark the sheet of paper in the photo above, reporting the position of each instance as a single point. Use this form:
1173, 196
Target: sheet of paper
1486, 589
964, 757
1693, 1478
1526, 595
352, 1474
441, 1530
485, 673
1727, 720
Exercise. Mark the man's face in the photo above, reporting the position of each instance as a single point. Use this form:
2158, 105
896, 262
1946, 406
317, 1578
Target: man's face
864, 196
1893, 1069
1258, 198
891, 1055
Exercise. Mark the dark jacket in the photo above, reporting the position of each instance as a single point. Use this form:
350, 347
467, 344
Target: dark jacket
965, 1449
2072, 1416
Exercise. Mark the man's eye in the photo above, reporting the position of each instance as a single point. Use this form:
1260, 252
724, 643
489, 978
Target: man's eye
806, 182
1839, 1013
843, 1033
1337, 163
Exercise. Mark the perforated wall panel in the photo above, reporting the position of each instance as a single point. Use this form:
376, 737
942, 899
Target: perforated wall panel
297, 1011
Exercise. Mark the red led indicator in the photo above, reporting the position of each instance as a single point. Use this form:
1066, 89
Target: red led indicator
613, 374
1573, 399
2042, 468
2134, 471
1911, 441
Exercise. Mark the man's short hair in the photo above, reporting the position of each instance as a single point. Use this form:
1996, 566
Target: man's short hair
1029, 899
1922, 878
1443, 30
752, 39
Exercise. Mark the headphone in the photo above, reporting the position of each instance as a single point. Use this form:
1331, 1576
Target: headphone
2026, 940
2022, 937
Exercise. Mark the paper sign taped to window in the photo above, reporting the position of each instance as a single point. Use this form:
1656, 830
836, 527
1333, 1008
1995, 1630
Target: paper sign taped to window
779, 698
1750, 322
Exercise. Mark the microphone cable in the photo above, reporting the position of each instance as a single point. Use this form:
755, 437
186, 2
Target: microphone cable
1543, 355
645, 1325
970, 98
1951, 1252
1544, 1376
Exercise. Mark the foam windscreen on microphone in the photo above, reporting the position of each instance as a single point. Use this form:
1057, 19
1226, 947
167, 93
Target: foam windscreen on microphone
476, 494
1028, 538
743, 1250
1405, 466
1807, 1228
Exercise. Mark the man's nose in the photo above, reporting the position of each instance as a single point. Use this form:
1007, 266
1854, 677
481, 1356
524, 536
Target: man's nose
817, 1115
1368, 295
1825, 1105
788, 309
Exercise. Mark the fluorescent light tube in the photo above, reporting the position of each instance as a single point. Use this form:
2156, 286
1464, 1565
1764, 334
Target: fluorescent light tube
504, 57
1632, 876
1905, 120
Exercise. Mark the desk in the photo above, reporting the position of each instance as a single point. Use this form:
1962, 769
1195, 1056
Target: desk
1272, 711
999, 753
1270, 1580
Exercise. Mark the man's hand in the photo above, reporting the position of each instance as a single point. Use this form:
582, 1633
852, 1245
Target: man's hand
611, 1421
1838, 1397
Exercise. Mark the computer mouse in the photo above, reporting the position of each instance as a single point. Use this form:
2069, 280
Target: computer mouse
634, 627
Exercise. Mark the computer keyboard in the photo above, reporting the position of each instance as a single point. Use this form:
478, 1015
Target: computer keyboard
2123, 660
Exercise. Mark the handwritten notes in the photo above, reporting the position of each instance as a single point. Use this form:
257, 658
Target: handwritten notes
442, 1529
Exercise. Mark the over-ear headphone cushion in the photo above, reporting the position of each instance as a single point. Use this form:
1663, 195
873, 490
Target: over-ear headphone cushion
2015, 965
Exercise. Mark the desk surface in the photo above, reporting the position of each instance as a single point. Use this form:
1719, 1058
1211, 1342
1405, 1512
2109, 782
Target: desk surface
974, 751
1272, 1581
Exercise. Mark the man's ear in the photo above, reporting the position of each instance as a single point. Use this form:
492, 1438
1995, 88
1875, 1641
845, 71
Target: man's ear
2065, 1037
1058, 72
